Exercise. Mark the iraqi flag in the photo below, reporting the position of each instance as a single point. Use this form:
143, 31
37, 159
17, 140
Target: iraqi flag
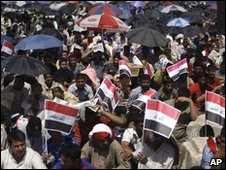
59, 117
177, 69
7, 47
140, 103
124, 68
108, 94
215, 108
149, 70
160, 118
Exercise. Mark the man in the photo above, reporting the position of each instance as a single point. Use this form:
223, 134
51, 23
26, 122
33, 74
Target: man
33, 104
197, 70
167, 91
19, 156
102, 150
80, 89
13, 95
145, 86
98, 61
75, 62
131, 139
197, 90
189, 112
212, 80
157, 152
63, 74
70, 156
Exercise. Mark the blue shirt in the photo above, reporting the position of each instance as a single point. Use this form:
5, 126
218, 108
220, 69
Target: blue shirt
85, 165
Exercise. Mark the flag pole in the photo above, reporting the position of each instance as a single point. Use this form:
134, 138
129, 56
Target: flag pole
205, 116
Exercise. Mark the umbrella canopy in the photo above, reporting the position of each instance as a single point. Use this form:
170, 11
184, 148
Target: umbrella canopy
152, 13
147, 37
107, 9
173, 8
38, 42
125, 14
24, 65
137, 4
104, 22
178, 22
192, 31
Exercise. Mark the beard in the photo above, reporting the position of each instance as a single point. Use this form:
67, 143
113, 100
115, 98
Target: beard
181, 106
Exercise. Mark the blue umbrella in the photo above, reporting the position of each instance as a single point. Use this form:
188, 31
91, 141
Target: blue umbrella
7, 38
178, 22
125, 14
38, 42
137, 4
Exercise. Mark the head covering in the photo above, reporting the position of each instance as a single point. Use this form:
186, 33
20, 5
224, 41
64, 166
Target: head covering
98, 47
100, 131
179, 36
91, 73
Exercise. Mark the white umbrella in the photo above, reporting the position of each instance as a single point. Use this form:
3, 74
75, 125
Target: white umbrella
173, 8
178, 22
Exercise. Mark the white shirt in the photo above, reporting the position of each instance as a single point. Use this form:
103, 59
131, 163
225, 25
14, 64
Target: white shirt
130, 136
162, 158
31, 160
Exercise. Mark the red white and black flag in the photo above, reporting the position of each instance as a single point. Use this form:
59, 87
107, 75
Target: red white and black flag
59, 117
7, 47
141, 101
124, 68
108, 94
149, 70
160, 117
177, 69
215, 107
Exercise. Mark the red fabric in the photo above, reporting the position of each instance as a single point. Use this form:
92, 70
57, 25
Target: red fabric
212, 145
101, 135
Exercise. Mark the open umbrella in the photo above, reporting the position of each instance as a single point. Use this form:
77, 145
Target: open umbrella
147, 37
103, 23
20, 64
125, 14
178, 22
107, 9
137, 4
38, 42
173, 8
192, 31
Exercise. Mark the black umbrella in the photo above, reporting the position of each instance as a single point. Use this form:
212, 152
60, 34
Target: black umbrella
192, 31
147, 37
24, 65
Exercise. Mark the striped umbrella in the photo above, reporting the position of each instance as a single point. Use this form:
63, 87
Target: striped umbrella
103, 23
107, 9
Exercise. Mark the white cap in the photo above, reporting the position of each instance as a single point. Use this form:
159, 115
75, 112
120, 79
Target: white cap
179, 36
100, 127
98, 47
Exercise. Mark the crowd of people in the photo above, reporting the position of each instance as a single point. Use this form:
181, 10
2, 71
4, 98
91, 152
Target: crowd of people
100, 139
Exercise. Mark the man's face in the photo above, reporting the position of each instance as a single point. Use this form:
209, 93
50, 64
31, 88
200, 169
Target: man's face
68, 163
169, 87
145, 84
212, 74
63, 65
198, 70
73, 61
102, 144
18, 149
202, 81
80, 83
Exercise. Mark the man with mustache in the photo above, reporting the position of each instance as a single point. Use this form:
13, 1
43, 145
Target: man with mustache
189, 112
